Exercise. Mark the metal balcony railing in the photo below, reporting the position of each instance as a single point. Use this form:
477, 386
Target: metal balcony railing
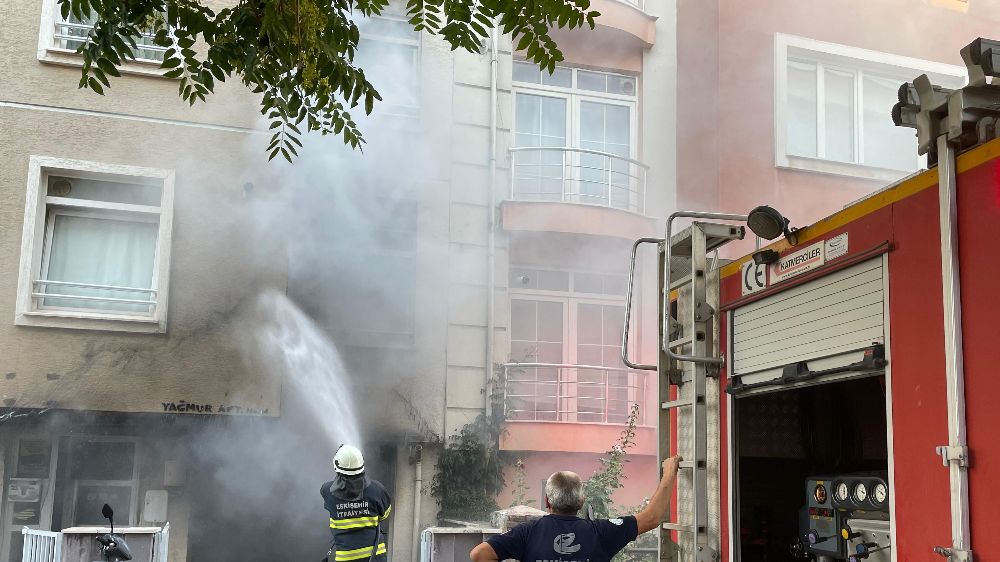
577, 175
49, 290
572, 393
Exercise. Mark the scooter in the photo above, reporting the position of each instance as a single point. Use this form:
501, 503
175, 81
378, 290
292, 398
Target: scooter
113, 547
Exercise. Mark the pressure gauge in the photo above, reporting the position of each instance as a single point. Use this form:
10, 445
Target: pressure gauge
841, 492
880, 493
819, 493
860, 493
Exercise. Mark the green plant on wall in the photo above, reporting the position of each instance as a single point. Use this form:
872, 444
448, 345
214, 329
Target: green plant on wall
601, 486
469, 474
520, 495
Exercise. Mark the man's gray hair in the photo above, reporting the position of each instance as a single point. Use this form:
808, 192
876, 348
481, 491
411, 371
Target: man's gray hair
564, 490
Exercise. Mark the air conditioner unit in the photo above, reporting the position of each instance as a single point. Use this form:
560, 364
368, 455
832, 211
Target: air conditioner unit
451, 544
148, 544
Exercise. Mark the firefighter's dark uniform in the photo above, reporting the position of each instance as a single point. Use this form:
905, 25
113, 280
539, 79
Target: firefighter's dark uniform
357, 505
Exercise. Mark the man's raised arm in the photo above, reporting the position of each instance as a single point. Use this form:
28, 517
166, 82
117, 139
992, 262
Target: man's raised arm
651, 516
483, 553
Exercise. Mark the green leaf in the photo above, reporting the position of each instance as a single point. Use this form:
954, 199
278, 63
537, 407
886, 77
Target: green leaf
95, 85
170, 63
175, 73
108, 68
101, 77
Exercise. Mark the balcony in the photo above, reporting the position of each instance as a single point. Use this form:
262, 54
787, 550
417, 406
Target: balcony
556, 408
573, 393
578, 175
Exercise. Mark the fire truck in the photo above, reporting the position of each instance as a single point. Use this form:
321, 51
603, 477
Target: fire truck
834, 394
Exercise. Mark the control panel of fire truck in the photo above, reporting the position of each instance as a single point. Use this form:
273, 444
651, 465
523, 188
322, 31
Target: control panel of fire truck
845, 517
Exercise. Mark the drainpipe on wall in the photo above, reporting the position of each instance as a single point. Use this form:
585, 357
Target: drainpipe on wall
417, 483
492, 222
956, 453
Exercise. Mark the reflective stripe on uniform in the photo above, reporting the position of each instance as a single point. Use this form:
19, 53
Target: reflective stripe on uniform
388, 510
358, 553
354, 523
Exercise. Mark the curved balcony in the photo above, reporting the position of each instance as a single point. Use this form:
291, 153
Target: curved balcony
573, 393
566, 408
628, 16
578, 175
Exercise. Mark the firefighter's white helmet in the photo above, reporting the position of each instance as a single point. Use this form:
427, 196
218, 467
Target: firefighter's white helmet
348, 460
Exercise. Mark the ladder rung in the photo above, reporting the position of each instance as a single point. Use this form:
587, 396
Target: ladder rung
680, 342
676, 403
679, 527
686, 464
677, 284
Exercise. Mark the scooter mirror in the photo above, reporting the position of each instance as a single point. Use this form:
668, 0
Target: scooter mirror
109, 514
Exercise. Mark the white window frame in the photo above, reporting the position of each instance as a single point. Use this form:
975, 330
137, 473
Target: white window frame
406, 109
37, 233
50, 52
569, 299
575, 96
857, 60
69, 509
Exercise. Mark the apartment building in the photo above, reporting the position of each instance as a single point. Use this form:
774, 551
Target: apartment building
591, 170
486, 226
788, 104
124, 263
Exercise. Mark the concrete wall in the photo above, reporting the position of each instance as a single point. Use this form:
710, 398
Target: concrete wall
215, 264
726, 157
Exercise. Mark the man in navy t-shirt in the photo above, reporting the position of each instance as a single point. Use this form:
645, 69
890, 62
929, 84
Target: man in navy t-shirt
561, 536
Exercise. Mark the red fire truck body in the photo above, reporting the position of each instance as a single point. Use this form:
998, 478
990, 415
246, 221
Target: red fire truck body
894, 238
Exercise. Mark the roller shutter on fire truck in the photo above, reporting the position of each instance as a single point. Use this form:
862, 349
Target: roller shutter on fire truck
825, 322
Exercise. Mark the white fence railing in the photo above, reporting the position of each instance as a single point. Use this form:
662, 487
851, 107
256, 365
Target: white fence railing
577, 175
573, 393
41, 546
161, 543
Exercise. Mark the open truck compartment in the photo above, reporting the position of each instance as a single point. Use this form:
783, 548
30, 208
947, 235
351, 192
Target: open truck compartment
809, 459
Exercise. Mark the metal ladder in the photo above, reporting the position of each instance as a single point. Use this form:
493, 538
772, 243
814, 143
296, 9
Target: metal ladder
686, 357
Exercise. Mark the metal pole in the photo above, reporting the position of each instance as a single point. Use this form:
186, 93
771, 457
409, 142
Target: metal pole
491, 226
956, 453
565, 183
417, 483
628, 305
609, 182
607, 395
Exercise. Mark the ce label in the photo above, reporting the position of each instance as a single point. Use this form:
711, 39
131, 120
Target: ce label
753, 277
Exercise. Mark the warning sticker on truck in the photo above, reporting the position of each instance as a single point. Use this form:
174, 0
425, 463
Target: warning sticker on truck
836, 246
806, 259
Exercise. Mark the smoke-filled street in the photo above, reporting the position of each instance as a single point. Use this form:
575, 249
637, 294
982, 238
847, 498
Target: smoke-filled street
427, 281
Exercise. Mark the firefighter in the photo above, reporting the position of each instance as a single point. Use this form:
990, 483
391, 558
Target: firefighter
564, 537
357, 506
